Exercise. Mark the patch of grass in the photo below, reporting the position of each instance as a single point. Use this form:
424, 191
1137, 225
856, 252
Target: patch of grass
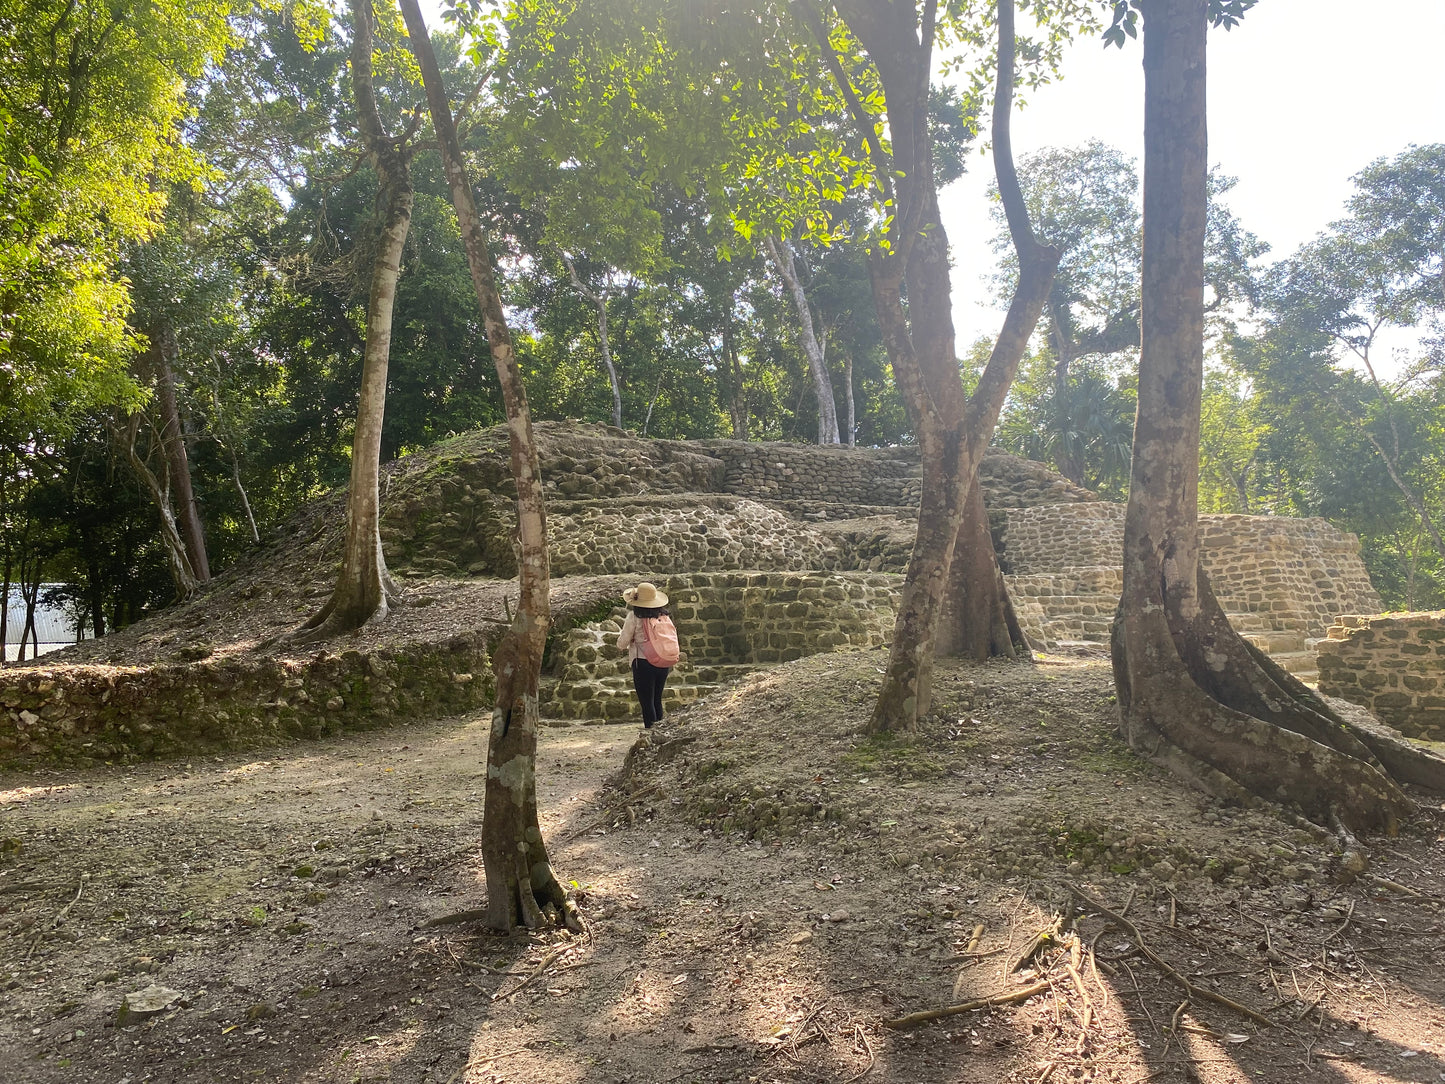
888, 755
1108, 755
713, 768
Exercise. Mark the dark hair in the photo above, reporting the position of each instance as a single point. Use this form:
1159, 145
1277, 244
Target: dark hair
650, 611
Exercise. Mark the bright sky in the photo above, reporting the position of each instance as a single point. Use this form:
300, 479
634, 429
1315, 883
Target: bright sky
1303, 94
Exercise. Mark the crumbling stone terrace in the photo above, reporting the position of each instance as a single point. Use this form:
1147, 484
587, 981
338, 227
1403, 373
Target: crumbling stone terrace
1393, 664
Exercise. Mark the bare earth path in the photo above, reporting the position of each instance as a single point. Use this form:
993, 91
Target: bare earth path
763, 891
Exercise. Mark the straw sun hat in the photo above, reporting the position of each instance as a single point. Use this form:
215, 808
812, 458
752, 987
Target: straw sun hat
645, 595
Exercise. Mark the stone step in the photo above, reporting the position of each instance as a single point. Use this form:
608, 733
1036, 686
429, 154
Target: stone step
1276, 641
611, 696
1302, 664
604, 702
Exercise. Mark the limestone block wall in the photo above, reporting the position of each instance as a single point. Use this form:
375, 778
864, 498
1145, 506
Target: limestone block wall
663, 537
76, 714
1294, 573
449, 511
1281, 580
1062, 536
755, 618
1393, 664
833, 475
727, 622
765, 617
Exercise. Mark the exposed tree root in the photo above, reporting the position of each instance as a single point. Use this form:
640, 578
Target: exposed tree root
1193, 991
359, 599
1196, 698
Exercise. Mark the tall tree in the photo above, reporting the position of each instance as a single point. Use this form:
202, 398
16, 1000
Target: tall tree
91, 97
952, 429
364, 590
1194, 695
522, 889
599, 298
814, 343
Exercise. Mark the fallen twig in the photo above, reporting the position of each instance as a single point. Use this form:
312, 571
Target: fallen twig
1012, 997
1189, 988
973, 939
862, 1037
1395, 886
546, 963
475, 914
66, 909
485, 1061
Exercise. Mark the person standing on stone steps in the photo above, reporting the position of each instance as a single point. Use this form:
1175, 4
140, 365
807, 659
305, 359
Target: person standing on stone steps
650, 638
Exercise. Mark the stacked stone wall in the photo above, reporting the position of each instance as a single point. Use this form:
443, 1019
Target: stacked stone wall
1282, 580
1292, 573
450, 512
727, 623
76, 714
1062, 536
809, 473
665, 537
1393, 664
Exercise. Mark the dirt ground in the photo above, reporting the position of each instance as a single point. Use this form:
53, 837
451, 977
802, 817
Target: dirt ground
765, 890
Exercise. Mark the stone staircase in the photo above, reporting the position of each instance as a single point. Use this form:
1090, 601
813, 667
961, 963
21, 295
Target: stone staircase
1077, 605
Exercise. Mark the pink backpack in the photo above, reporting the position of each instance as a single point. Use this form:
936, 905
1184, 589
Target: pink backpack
658, 640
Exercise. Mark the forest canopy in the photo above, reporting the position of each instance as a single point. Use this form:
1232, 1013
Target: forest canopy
184, 213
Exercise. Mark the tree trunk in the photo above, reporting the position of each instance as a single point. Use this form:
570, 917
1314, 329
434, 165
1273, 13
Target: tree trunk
1065, 459
165, 353
364, 590
177, 559
522, 889
852, 416
978, 619
1193, 695
7, 567
737, 392
599, 301
952, 432
31, 593
241, 492
783, 260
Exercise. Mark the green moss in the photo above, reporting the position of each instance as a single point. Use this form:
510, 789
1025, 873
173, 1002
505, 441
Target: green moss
899, 758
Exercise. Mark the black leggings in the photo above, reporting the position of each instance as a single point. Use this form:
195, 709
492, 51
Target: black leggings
648, 680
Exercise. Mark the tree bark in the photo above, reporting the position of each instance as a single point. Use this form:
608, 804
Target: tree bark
165, 353
813, 347
178, 561
599, 301
1060, 318
364, 590
978, 619
737, 391
241, 492
1193, 695
522, 889
952, 431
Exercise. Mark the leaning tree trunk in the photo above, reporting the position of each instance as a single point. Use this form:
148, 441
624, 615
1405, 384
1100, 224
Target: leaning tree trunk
783, 260
166, 353
364, 591
598, 298
1193, 695
1065, 457
177, 559
522, 889
737, 392
952, 431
